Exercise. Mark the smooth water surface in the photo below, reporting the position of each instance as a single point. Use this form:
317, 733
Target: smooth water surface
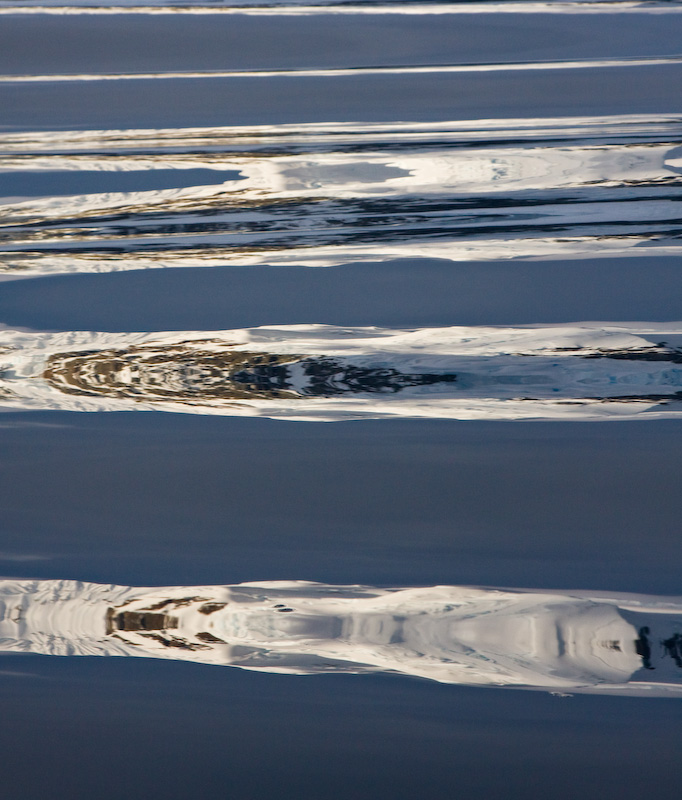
322, 327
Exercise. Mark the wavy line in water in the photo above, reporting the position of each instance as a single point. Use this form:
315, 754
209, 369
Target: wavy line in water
325, 373
329, 194
595, 643
320, 136
344, 72
316, 8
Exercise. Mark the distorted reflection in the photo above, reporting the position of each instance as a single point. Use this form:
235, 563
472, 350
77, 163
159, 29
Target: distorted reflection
329, 194
557, 641
322, 372
305, 7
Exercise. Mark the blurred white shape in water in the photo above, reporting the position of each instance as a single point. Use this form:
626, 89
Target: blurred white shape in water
555, 641
579, 371
317, 7
329, 194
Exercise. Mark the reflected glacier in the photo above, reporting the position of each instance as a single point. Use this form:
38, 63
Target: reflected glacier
554, 641
578, 371
328, 194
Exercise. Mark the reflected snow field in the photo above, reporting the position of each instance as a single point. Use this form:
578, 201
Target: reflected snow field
464, 635
324, 195
321, 372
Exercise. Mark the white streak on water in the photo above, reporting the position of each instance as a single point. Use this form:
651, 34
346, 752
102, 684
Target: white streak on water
318, 135
319, 9
344, 72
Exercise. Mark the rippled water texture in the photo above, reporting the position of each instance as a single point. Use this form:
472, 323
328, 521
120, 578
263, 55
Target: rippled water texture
452, 229
328, 373
329, 194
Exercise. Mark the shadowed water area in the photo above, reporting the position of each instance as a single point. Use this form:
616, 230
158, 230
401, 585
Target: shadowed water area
451, 229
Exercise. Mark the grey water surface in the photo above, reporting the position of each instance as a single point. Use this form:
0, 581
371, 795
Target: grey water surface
249, 178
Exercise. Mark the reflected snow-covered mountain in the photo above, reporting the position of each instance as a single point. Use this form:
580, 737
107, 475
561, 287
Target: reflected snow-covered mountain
556, 641
329, 194
319, 372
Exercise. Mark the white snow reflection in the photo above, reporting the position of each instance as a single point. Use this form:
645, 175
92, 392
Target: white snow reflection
580, 371
329, 194
555, 641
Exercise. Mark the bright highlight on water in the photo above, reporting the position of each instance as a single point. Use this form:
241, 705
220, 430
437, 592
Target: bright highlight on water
329, 194
322, 372
554, 641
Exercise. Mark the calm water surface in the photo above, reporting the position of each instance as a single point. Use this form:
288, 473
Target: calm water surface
390, 295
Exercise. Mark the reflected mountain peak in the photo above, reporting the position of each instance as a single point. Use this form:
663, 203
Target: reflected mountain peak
630, 644
577, 371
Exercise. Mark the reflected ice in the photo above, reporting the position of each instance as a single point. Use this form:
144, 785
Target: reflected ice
316, 7
556, 641
324, 195
320, 372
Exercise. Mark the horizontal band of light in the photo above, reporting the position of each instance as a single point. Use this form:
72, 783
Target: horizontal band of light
633, 7
349, 71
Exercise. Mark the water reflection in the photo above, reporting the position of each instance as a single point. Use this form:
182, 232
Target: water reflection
102, 181
557, 641
365, 7
322, 372
329, 194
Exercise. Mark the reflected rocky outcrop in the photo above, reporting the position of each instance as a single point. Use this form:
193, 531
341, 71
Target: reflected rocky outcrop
556, 641
321, 372
185, 372
331, 194
179, 372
